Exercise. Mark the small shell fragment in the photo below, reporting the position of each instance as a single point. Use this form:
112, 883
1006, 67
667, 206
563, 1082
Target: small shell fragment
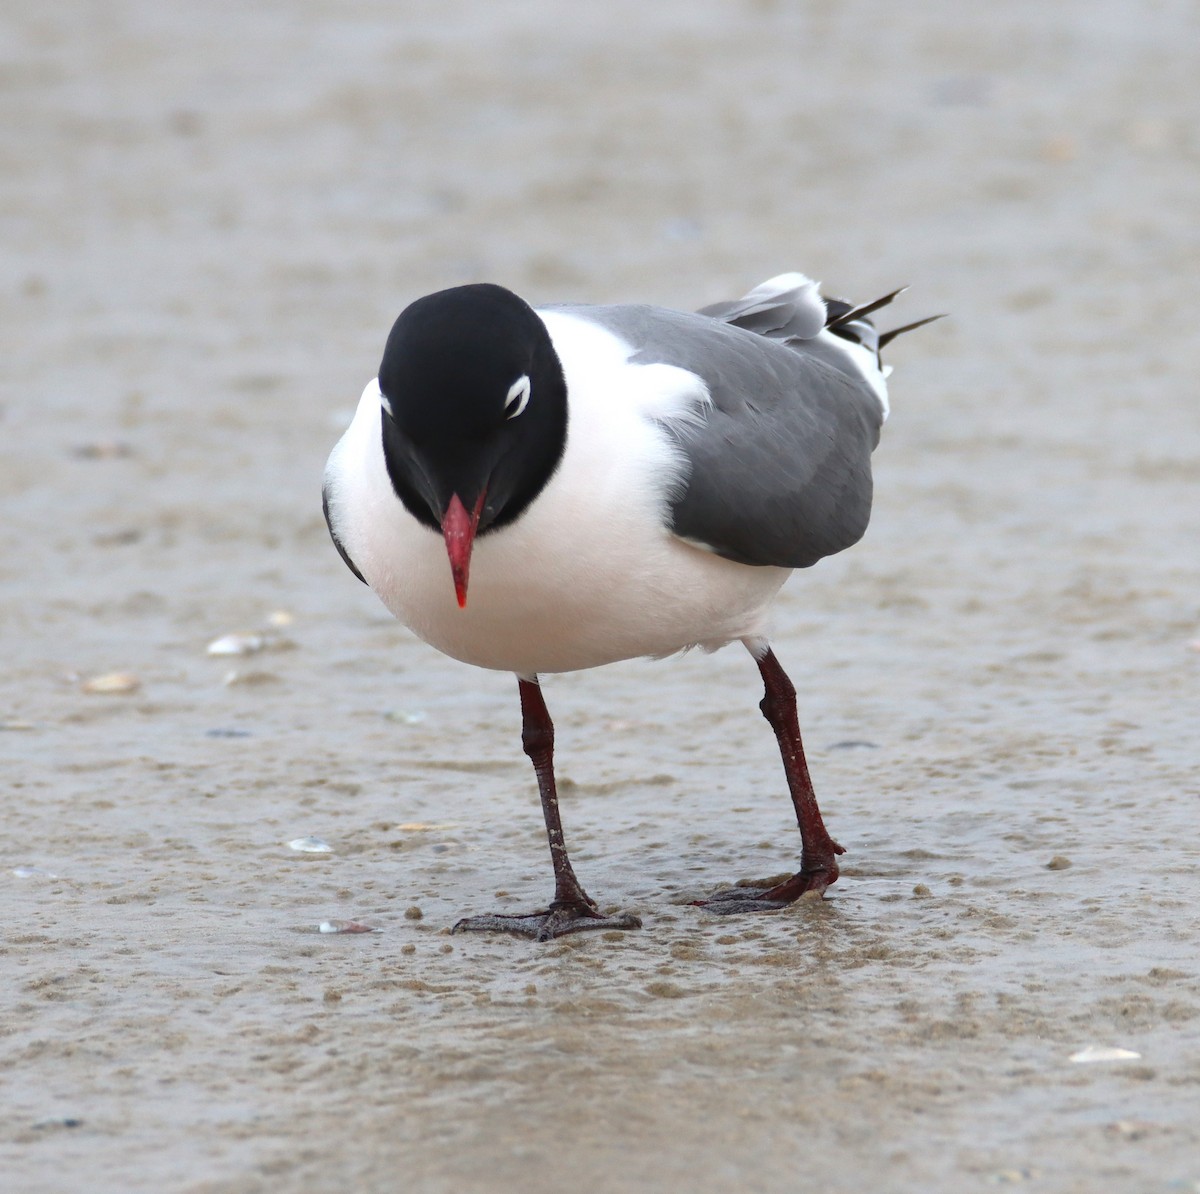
33, 872
112, 684
279, 618
1095, 1053
343, 926
408, 717
310, 845
236, 644
103, 449
1132, 1129
251, 679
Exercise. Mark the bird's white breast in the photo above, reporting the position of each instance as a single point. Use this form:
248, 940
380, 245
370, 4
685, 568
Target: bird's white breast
591, 572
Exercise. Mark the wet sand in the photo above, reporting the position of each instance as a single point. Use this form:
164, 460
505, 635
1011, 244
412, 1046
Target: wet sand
211, 215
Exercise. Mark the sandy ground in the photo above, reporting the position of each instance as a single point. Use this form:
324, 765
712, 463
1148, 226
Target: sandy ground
211, 213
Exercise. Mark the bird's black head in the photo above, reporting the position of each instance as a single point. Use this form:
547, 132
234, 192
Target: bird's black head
474, 413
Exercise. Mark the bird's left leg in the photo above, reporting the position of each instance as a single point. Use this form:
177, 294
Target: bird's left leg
818, 851
572, 910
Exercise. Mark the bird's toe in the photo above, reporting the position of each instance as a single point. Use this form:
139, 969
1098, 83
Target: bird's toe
547, 925
805, 883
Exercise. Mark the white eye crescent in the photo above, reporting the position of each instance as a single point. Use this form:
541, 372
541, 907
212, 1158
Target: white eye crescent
385, 402
518, 396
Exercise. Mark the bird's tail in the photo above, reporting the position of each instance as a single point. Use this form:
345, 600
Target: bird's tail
791, 307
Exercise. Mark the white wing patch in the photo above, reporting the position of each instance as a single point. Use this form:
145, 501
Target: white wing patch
671, 393
384, 401
518, 396
617, 412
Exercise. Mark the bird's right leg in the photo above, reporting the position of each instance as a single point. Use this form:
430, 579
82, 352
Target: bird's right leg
572, 910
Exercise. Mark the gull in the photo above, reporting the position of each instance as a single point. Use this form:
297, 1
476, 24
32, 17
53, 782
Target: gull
553, 489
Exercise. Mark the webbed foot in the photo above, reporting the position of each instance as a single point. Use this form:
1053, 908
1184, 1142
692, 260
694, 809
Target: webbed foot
771, 899
559, 921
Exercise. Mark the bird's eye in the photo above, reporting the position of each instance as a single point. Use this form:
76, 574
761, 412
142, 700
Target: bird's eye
518, 396
386, 403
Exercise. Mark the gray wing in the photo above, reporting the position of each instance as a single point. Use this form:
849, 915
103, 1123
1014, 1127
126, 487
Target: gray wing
780, 467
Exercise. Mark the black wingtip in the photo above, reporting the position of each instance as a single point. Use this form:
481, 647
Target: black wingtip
864, 310
886, 338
